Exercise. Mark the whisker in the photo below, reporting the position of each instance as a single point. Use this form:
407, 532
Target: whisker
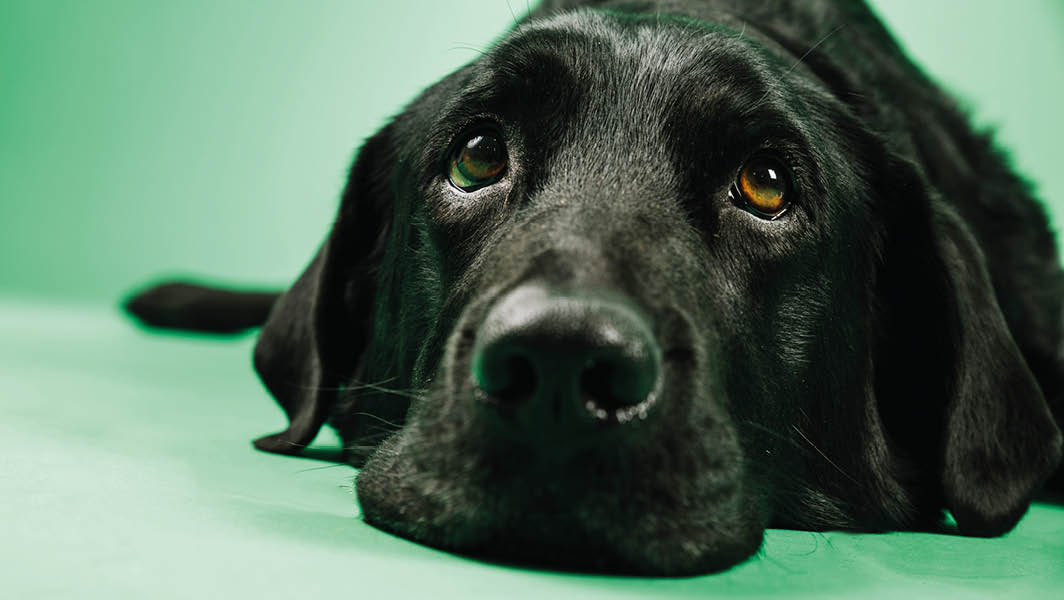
468, 47
743, 31
394, 426
778, 436
513, 15
825, 456
801, 58
413, 393
823, 39
333, 466
355, 386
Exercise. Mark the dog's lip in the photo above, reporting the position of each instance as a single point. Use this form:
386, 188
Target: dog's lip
542, 533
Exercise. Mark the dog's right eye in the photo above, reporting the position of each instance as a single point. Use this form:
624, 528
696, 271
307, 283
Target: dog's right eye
478, 161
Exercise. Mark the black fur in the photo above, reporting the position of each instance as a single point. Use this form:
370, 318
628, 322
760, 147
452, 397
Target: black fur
195, 307
886, 349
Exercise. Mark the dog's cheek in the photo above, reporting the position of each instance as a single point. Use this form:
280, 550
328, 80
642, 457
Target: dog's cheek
768, 321
427, 482
457, 226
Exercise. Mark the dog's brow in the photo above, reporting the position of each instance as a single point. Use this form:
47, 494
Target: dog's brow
528, 74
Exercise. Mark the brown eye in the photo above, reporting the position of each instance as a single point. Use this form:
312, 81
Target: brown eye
479, 161
764, 187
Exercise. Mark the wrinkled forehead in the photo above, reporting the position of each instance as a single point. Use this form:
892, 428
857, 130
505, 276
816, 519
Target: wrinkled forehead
636, 68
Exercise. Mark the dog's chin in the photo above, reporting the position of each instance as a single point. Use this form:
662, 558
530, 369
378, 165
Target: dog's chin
592, 515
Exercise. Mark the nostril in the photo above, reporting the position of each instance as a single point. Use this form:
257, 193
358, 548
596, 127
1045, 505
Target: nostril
503, 372
609, 386
516, 381
596, 385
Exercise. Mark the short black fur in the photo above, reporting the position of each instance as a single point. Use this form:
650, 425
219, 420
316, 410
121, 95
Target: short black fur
887, 349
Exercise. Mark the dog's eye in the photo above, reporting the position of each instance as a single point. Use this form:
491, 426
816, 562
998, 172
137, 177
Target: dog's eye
763, 186
477, 162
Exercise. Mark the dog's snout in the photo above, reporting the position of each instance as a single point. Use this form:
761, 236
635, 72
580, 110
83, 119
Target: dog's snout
553, 361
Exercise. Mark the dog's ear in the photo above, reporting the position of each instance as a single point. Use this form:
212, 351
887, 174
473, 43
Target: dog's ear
1000, 441
319, 328
961, 389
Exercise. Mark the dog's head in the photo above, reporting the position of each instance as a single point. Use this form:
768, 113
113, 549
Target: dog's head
626, 291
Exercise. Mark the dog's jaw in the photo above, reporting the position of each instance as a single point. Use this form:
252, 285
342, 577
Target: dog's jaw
593, 513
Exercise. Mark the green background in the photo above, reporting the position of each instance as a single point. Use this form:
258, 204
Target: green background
212, 137
141, 139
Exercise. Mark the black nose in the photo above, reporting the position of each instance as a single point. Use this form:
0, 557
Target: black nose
551, 361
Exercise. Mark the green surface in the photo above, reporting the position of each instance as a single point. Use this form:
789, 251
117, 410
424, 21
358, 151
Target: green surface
141, 138
126, 471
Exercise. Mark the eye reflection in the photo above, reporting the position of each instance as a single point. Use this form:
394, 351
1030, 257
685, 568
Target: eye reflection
763, 186
479, 161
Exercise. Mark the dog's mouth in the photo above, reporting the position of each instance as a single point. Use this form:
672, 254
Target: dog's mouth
547, 520
598, 511
560, 434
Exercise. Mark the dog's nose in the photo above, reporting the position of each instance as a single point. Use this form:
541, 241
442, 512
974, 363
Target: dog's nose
552, 361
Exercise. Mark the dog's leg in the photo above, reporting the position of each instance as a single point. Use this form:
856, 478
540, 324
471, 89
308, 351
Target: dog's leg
193, 307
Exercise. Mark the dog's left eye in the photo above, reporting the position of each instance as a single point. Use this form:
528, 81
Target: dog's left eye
763, 187
478, 161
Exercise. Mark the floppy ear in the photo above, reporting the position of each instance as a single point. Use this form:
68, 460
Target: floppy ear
318, 329
1000, 440
972, 399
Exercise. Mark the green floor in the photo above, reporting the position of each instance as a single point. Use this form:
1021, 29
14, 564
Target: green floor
127, 472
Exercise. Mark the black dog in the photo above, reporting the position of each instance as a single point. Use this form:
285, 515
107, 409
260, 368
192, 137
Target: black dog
649, 277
